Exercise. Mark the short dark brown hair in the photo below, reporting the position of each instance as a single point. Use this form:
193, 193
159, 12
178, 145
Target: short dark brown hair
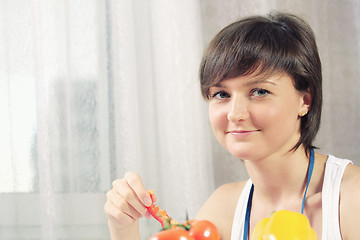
278, 42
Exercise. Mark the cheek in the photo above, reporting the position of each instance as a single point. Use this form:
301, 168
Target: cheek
280, 119
218, 119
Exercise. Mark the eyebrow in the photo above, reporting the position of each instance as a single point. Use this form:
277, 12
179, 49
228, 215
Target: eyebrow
258, 81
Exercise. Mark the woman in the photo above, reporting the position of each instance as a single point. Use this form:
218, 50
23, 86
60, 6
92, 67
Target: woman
262, 79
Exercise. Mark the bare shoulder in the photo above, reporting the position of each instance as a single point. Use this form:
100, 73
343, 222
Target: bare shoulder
223, 196
350, 184
220, 207
350, 203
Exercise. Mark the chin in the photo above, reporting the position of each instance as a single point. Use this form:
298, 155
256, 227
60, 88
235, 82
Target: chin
244, 153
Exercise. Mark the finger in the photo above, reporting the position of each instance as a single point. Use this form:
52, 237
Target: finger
123, 205
116, 216
123, 190
135, 182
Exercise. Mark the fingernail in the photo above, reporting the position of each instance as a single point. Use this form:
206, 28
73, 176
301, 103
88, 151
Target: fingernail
147, 201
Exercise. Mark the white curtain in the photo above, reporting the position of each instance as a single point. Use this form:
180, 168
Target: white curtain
92, 89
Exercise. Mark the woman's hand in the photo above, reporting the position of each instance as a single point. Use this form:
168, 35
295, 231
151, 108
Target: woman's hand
126, 201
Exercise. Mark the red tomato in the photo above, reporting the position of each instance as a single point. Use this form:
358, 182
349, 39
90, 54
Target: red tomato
198, 230
203, 230
190, 230
172, 234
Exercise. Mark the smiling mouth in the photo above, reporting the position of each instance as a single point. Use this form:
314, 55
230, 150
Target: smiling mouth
242, 133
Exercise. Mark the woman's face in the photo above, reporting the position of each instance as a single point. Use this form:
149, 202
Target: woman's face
254, 117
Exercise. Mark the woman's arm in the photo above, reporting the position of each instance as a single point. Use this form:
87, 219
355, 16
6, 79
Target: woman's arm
126, 203
130, 232
350, 203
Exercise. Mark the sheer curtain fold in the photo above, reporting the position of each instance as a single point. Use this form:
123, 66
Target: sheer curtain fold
92, 89
177, 46
157, 103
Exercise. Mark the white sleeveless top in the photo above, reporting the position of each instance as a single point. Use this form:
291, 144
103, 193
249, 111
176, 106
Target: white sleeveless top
334, 171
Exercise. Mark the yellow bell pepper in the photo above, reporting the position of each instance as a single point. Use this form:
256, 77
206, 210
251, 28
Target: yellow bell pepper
284, 225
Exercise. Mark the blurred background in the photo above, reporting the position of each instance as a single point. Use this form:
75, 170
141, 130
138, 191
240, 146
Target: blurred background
90, 89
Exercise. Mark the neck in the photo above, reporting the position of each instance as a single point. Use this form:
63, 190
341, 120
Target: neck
279, 176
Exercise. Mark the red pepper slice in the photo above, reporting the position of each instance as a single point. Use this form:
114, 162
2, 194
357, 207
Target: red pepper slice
159, 214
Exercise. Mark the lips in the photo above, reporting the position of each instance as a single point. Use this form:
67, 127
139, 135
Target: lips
242, 133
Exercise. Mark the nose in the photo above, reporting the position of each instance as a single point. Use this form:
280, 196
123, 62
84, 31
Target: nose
238, 111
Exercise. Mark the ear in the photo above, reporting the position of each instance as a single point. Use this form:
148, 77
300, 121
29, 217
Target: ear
305, 103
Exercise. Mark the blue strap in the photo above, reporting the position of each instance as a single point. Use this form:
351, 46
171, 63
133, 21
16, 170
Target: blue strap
310, 170
248, 207
247, 216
